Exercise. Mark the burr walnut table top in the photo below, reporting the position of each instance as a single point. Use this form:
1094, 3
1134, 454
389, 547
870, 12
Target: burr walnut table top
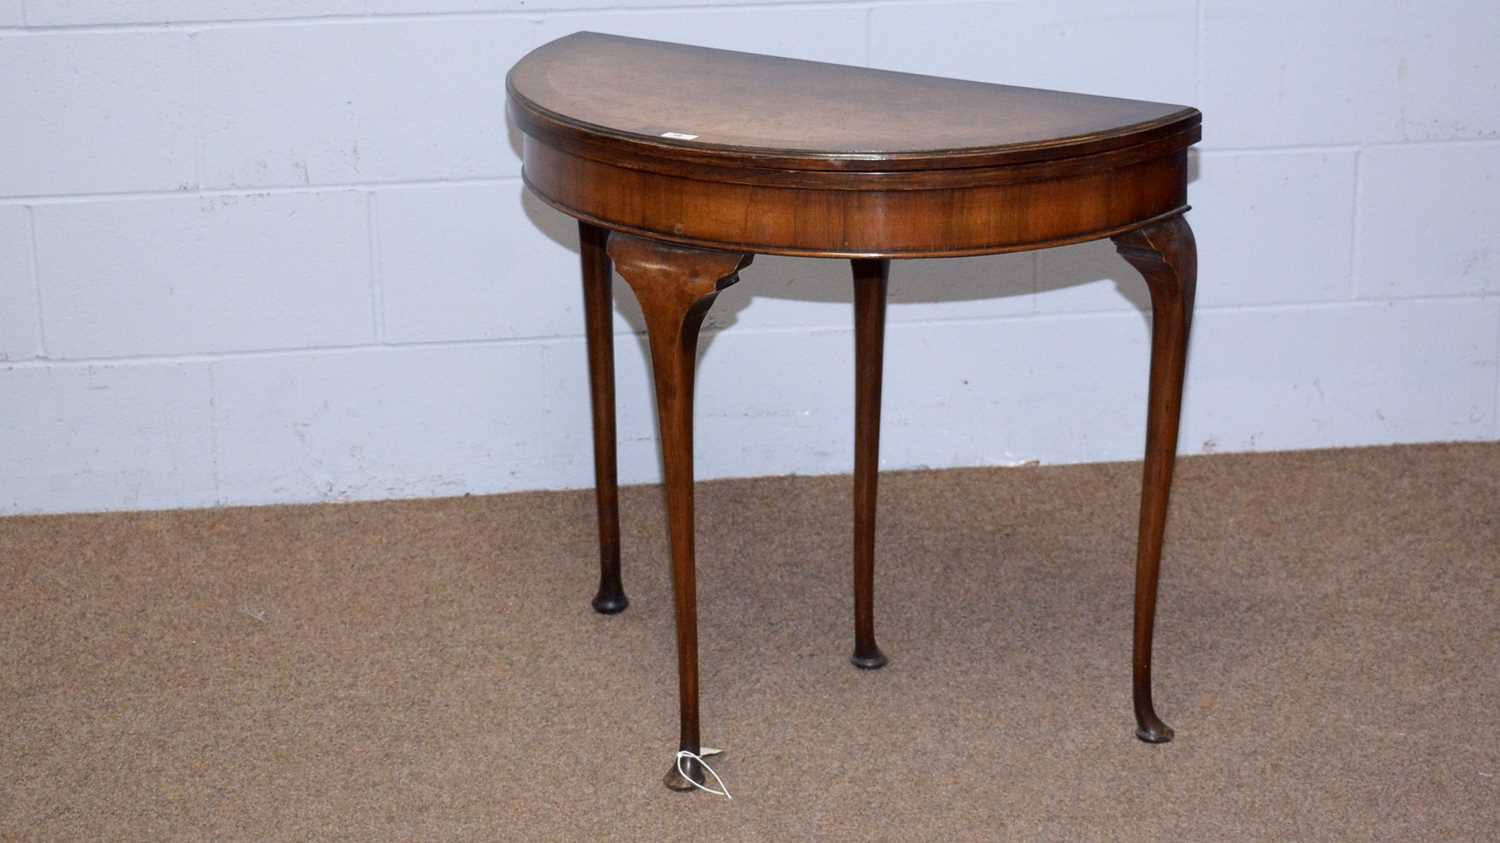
755, 153
808, 115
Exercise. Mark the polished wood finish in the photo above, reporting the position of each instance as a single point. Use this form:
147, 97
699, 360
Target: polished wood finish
871, 278
675, 286
848, 221
792, 114
848, 162
1167, 256
598, 314
695, 159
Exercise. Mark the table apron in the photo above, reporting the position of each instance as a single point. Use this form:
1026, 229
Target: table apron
825, 222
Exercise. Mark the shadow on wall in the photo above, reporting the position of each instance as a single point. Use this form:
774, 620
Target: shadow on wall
932, 282
939, 281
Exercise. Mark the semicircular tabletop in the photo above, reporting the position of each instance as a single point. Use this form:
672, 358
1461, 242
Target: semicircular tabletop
811, 115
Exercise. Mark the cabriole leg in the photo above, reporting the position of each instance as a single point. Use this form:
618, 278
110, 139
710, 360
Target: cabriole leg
675, 286
1166, 255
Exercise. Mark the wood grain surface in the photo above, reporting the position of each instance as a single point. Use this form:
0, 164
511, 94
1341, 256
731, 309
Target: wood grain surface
812, 115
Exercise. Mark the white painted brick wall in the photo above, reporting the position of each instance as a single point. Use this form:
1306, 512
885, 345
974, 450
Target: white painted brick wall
117, 436
19, 330
345, 102
831, 34
277, 250
204, 274
1373, 71
441, 253
1431, 215
97, 112
1124, 48
430, 421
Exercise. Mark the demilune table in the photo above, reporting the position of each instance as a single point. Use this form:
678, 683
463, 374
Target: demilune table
681, 163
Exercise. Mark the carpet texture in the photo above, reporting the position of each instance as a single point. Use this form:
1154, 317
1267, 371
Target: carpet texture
1328, 650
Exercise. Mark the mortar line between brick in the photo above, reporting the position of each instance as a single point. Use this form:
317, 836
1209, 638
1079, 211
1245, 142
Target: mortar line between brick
418, 184
1354, 218
253, 190
810, 329
1270, 149
377, 266
200, 111
213, 432
479, 15
869, 36
36, 284
1198, 54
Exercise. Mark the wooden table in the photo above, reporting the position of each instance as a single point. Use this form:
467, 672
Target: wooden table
680, 163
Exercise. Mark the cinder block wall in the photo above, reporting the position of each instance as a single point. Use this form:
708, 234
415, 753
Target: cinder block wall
256, 251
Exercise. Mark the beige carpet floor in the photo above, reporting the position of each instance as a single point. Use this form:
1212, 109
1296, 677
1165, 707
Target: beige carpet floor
1328, 652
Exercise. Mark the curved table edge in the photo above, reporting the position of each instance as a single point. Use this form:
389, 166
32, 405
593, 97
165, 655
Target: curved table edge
532, 117
770, 249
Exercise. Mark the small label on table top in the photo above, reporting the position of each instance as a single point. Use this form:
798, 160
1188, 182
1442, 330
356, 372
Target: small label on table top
678, 136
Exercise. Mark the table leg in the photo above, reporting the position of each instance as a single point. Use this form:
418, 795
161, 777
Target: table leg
598, 314
675, 286
870, 281
1167, 256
